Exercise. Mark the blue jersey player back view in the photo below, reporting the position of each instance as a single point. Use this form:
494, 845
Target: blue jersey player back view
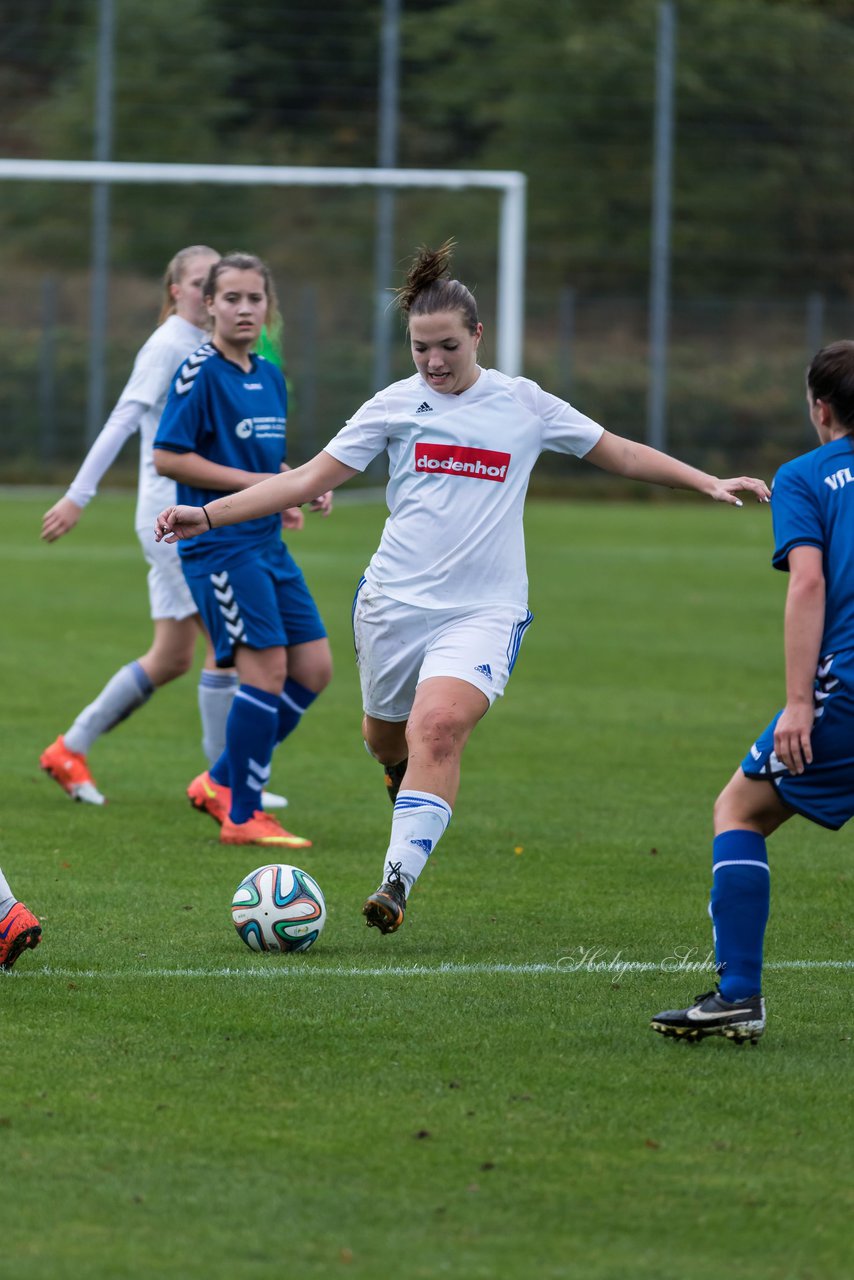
224, 429
803, 762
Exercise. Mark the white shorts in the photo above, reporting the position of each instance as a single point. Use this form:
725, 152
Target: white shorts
399, 645
168, 592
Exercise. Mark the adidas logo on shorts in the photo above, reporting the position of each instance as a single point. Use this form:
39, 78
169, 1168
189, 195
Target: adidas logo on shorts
485, 670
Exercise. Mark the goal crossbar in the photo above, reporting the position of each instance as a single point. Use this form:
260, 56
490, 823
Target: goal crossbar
511, 185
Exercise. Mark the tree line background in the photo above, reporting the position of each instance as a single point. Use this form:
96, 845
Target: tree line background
762, 258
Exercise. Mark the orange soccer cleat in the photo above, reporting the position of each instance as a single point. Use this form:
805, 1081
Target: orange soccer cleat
19, 929
210, 797
70, 770
261, 829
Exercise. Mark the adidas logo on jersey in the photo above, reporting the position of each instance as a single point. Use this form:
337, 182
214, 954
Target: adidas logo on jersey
190, 369
485, 670
424, 407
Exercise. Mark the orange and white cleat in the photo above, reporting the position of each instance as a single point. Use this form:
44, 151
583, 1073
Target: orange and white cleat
19, 929
261, 829
210, 797
70, 770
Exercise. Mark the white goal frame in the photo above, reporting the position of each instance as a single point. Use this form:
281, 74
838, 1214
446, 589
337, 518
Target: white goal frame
511, 184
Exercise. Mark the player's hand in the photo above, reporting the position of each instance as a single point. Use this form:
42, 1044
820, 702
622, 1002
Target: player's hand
792, 736
176, 524
323, 504
726, 490
61, 519
293, 518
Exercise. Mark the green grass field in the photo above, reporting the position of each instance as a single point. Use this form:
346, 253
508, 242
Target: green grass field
478, 1095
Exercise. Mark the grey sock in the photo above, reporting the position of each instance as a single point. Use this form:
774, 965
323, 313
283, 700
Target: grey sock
128, 689
7, 897
216, 694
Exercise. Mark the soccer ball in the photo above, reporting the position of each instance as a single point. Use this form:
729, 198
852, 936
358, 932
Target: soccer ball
278, 908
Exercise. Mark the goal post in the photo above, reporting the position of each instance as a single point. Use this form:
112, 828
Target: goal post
511, 185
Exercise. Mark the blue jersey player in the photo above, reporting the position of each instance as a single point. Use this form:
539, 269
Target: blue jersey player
223, 429
803, 763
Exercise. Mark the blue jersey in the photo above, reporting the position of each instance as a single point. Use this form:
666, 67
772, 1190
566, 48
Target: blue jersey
234, 418
812, 504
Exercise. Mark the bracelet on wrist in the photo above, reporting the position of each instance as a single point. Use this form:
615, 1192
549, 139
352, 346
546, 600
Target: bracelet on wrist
207, 517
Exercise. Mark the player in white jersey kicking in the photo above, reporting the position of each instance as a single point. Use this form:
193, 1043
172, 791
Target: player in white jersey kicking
181, 329
441, 611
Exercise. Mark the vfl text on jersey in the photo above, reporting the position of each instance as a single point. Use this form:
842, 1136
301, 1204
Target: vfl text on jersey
457, 460
839, 479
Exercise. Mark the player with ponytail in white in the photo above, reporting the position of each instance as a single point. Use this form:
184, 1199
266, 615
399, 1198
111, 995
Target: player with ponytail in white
441, 611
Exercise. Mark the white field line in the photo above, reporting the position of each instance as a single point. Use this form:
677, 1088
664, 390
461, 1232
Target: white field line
279, 967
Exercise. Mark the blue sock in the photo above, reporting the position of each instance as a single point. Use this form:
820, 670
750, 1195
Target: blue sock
294, 701
219, 770
250, 739
741, 891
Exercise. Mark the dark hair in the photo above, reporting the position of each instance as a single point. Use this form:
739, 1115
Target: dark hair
830, 377
174, 274
429, 287
235, 260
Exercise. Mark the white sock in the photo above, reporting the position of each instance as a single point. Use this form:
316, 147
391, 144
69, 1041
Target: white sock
7, 897
419, 822
216, 694
128, 689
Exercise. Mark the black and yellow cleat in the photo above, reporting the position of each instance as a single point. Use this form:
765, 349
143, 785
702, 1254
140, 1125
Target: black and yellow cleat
711, 1015
385, 908
394, 777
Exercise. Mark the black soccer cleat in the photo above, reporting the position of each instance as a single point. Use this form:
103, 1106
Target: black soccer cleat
394, 777
711, 1015
385, 908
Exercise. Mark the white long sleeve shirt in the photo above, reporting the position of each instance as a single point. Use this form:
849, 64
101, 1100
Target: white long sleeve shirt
139, 408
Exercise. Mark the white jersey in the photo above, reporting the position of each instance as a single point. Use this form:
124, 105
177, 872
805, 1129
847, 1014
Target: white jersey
139, 407
458, 474
149, 383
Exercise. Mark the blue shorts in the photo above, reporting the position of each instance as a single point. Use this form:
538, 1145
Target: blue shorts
262, 601
824, 792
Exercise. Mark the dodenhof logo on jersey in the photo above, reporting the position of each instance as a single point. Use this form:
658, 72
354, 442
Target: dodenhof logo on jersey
458, 460
243, 430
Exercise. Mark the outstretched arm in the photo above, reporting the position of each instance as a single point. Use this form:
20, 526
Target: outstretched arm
119, 427
290, 489
640, 462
